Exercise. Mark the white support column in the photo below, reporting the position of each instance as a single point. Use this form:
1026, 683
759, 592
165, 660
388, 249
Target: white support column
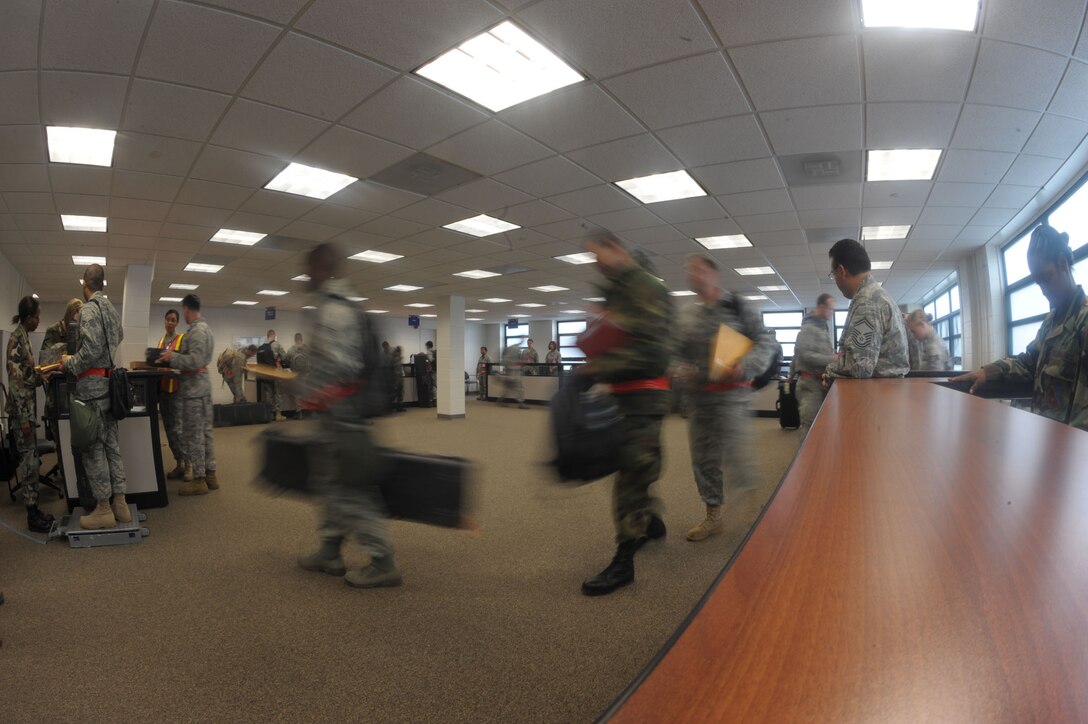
135, 313
450, 345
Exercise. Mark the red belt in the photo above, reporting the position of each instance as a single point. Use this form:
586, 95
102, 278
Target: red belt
194, 372
811, 375
725, 386
95, 372
321, 399
658, 383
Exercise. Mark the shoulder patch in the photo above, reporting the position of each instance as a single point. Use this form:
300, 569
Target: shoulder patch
861, 336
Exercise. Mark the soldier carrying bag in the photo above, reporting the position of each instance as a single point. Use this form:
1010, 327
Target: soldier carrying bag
120, 394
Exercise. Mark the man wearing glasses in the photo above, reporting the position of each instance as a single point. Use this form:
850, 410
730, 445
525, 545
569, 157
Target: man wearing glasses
874, 341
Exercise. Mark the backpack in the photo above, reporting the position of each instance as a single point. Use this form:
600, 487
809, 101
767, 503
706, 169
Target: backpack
772, 371
222, 362
586, 429
120, 394
375, 395
265, 355
789, 412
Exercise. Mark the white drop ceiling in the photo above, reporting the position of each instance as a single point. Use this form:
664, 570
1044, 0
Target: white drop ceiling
212, 99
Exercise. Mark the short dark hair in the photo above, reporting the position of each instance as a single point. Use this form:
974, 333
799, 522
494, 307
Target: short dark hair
191, 302
251, 350
824, 299
702, 259
28, 307
429, 343
1049, 244
175, 312
851, 255
94, 277
298, 335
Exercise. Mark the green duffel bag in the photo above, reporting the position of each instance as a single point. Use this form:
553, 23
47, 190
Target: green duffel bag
84, 422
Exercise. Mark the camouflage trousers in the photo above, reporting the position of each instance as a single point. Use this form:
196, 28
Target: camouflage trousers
351, 506
640, 466
196, 434
29, 462
512, 386
237, 389
169, 404
721, 423
270, 394
810, 395
102, 461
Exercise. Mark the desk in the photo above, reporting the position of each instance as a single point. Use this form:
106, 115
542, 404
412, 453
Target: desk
925, 558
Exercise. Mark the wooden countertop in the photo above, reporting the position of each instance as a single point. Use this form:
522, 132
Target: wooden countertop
925, 558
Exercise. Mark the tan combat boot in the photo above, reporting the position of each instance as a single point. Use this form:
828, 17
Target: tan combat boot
177, 472
709, 526
187, 476
100, 517
199, 486
211, 480
120, 509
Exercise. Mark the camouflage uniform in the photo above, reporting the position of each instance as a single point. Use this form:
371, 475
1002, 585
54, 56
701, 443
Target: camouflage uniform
352, 501
721, 418
396, 365
169, 404
1057, 362
914, 352
296, 357
22, 408
53, 347
553, 358
481, 376
102, 461
933, 353
874, 340
639, 303
529, 356
232, 363
814, 351
511, 375
271, 387
196, 397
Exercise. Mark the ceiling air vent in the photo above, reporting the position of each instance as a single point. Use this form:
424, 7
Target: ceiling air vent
424, 175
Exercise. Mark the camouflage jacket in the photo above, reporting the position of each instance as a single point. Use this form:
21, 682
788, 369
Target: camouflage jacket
94, 350
193, 359
231, 362
933, 354
482, 363
335, 358
22, 397
874, 341
1057, 363
296, 357
698, 329
54, 344
815, 348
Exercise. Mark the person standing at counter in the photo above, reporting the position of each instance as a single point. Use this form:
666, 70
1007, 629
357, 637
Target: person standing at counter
814, 351
196, 398
553, 358
529, 356
481, 374
168, 398
54, 346
231, 365
22, 408
1056, 362
933, 352
100, 334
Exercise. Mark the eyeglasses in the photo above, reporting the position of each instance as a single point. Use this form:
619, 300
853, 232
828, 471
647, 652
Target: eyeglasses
831, 274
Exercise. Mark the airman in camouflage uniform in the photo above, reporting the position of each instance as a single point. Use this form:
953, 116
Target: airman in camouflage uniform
352, 501
55, 345
231, 365
22, 407
100, 334
637, 302
932, 351
393, 359
195, 398
272, 392
874, 340
814, 351
512, 384
721, 418
1056, 362
169, 404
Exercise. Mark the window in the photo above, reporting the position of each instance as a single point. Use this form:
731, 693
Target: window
840, 324
786, 326
567, 334
948, 322
517, 335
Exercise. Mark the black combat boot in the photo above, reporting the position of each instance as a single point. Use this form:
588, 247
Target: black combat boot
655, 530
620, 572
38, 521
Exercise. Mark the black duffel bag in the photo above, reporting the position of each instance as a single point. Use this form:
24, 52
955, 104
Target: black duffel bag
586, 429
789, 411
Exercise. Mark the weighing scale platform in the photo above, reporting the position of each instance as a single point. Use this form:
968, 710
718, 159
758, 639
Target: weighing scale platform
68, 526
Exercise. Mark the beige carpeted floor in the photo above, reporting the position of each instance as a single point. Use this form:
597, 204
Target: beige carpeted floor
209, 619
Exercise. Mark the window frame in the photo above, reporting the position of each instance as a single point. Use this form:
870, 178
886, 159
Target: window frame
930, 306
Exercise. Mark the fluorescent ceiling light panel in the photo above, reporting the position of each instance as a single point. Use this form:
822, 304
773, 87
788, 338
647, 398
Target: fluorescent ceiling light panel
89, 146
774, 288
754, 297
500, 68
402, 288
474, 319
733, 241
205, 268
520, 316
475, 311
593, 299
748, 271
272, 292
936, 14
683, 293
169, 299
303, 180
309, 306
874, 233
243, 303
431, 316
377, 311
233, 236
531, 305
496, 300
916, 164
585, 257
477, 274
482, 225
187, 287
358, 299
662, 187
548, 288
419, 305
83, 223
88, 260
881, 265
573, 311
377, 257
301, 278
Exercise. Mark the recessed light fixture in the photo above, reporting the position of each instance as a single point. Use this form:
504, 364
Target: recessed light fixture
662, 187
376, 257
902, 165
754, 297
358, 299
301, 278
573, 311
419, 305
748, 271
682, 293
874, 233
403, 288
500, 68
477, 274
548, 288
597, 300
585, 257
88, 146
936, 14
475, 311
521, 316
169, 299
733, 241
35, 295
233, 236
205, 268
496, 300
272, 292
881, 265
482, 225
187, 287
309, 306
377, 311
88, 260
244, 303
83, 223
105, 282
429, 316
474, 319
303, 180
774, 288
531, 305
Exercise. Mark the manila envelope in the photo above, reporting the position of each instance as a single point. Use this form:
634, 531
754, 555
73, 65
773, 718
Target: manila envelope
729, 346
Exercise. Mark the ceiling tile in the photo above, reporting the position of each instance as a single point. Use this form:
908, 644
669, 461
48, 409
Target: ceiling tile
22, 144
975, 166
24, 177
86, 100
699, 208
187, 232
769, 222
830, 218
154, 154
718, 141
638, 218
264, 129
79, 179
20, 93
374, 197
135, 185
414, 114
433, 212
890, 215
993, 217
1056, 137
990, 128
1032, 170
19, 34
309, 231
904, 66
133, 227
392, 227
351, 152
339, 216
1007, 196
960, 194
171, 110
93, 36
82, 204
1015, 76
245, 221
909, 125
814, 130
139, 209
657, 235
740, 22
626, 158
240, 168
279, 11
1052, 25
490, 148
311, 77
793, 73
569, 229
535, 213
575, 117
29, 203
595, 200
946, 215
548, 177
826, 196
757, 202
202, 47
484, 195
731, 178
934, 233
896, 193
210, 193
198, 215
1072, 96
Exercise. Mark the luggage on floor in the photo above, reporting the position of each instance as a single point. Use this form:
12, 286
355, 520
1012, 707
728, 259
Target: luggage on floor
242, 413
789, 413
586, 429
